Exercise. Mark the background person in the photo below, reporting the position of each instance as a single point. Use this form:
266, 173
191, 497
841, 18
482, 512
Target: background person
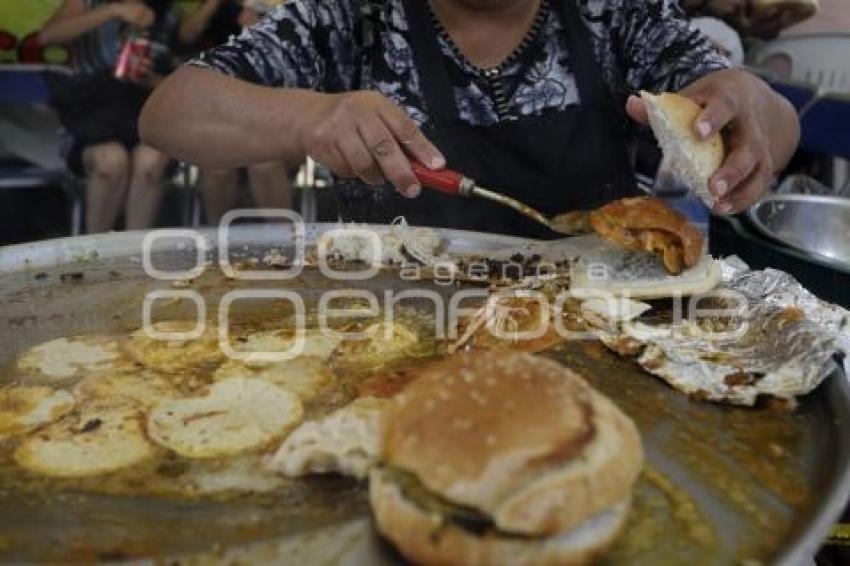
100, 113
212, 24
833, 16
723, 36
765, 20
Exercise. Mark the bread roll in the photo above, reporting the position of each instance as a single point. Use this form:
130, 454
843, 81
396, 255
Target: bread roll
694, 160
492, 453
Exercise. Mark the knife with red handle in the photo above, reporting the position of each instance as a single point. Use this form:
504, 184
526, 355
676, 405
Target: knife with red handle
444, 180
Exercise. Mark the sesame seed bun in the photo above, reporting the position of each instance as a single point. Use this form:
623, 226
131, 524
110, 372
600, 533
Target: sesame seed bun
516, 439
426, 539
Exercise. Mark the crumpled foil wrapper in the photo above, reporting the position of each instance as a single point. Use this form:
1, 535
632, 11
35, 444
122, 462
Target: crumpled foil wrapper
785, 348
788, 349
775, 288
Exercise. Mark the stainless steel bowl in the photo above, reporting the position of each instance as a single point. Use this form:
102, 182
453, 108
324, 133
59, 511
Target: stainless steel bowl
816, 225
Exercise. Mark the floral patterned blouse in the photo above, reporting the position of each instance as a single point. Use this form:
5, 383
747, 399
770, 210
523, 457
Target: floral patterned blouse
344, 45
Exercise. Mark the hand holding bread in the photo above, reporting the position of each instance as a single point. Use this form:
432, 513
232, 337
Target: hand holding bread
758, 127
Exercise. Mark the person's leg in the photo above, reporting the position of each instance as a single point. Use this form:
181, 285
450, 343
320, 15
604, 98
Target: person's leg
146, 187
270, 185
107, 168
219, 188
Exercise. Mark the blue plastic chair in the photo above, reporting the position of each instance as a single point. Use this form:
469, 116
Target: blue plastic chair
819, 86
22, 86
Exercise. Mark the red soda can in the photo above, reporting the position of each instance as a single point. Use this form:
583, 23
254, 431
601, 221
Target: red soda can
136, 49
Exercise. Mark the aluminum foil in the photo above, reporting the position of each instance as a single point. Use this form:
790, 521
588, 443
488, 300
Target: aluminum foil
776, 288
773, 338
781, 342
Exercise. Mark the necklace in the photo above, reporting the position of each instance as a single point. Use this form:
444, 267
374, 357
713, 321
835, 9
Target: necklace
493, 75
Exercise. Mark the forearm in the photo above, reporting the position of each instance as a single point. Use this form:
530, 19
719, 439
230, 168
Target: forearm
204, 117
776, 116
65, 30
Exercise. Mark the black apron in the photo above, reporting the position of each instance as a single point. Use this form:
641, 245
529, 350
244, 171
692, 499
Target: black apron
567, 160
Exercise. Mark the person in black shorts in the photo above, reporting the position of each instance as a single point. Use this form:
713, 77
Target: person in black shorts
213, 24
100, 113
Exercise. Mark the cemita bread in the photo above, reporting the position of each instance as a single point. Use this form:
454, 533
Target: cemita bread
174, 356
24, 407
145, 388
632, 283
673, 120
503, 457
456, 545
98, 437
346, 442
379, 344
68, 358
255, 346
307, 377
236, 415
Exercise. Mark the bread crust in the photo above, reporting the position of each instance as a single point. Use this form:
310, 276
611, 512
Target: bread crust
704, 277
423, 539
502, 431
683, 113
673, 119
604, 475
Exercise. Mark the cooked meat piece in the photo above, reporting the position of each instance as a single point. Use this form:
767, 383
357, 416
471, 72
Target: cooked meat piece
666, 246
649, 224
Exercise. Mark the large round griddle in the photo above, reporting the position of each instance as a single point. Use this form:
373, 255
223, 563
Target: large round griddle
98, 284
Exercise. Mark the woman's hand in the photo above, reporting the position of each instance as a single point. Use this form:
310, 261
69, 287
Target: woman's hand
363, 134
137, 15
759, 127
